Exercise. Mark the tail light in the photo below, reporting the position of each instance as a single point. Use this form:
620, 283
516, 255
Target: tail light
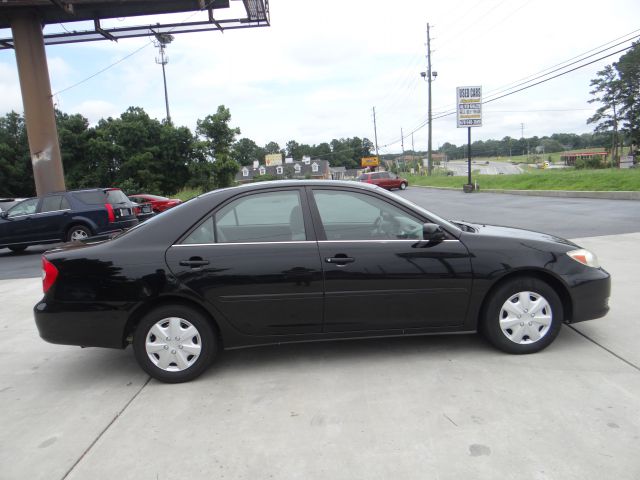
49, 274
110, 214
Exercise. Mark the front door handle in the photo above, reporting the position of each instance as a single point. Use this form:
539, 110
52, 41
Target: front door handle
340, 260
194, 262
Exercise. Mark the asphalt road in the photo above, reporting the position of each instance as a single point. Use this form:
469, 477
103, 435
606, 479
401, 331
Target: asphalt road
564, 217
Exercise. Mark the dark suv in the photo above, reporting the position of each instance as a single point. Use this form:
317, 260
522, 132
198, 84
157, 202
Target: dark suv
65, 216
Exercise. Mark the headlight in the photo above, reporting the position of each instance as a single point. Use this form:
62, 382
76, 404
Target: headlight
585, 257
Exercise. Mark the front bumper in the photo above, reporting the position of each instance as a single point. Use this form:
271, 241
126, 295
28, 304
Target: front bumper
591, 297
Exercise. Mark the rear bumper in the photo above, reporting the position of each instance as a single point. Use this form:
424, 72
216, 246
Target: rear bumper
591, 297
98, 326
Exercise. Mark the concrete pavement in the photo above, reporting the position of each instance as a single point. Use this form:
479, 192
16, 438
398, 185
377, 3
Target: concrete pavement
447, 407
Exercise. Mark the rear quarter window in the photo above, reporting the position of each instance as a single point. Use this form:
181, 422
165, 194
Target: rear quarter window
116, 196
95, 197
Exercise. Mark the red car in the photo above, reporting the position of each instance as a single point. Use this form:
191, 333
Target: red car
386, 180
158, 204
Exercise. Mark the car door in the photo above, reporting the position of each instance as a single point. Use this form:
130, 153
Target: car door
50, 220
255, 261
19, 225
379, 274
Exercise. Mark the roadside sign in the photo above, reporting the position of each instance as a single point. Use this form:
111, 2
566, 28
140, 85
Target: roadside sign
369, 162
469, 106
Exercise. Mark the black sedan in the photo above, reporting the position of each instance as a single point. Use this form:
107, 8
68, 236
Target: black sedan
292, 261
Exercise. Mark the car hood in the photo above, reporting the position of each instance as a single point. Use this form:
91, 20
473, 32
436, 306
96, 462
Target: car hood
516, 233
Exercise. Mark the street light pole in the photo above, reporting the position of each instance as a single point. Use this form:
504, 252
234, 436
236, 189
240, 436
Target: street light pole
162, 40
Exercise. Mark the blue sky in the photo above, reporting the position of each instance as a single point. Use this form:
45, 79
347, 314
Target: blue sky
316, 73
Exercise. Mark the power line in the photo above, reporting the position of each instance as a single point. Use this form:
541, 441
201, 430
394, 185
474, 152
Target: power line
104, 69
516, 91
208, 4
583, 56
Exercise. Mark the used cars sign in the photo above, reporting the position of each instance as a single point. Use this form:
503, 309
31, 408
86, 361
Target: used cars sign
469, 106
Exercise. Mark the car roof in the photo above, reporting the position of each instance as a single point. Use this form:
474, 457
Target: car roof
295, 183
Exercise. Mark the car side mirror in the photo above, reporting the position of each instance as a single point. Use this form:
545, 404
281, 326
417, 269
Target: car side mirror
432, 232
3, 214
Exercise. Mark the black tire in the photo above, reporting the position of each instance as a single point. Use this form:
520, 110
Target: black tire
77, 231
18, 249
206, 338
520, 339
403, 186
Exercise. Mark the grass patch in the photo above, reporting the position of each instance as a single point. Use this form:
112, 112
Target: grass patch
576, 180
187, 193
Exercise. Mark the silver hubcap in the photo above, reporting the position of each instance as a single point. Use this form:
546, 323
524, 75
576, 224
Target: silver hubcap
525, 318
173, 344
77, 235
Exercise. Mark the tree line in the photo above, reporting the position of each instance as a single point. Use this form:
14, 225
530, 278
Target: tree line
508, 146
140, 154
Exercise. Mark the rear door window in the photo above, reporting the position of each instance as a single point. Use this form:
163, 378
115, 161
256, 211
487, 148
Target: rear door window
52, 203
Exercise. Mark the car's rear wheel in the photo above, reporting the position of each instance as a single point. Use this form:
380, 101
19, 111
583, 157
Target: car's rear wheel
403, 185
175, 343
523, 315
78, 233
18, 249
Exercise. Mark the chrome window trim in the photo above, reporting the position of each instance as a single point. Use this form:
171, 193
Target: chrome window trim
412, 240
241, 243
53, 211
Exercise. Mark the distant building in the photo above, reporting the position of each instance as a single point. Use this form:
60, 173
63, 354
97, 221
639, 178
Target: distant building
570, 158
314, 169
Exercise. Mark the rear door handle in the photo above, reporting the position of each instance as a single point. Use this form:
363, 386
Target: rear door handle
194, 262
339, 260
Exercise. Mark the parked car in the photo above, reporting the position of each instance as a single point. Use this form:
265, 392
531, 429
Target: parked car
292, 261
142, 211
65, 216
158, 204
388, 180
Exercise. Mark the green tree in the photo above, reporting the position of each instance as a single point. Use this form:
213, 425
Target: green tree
628, 68
245, 151
217, 141
216, 132
606, 91
272, 147
16, 172
224, 170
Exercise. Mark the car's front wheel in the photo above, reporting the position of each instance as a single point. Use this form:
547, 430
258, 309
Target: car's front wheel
175, 343
523, 315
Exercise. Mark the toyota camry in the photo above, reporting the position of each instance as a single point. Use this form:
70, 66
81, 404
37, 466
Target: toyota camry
298, 261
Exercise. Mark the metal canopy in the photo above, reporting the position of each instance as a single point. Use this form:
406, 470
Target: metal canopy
66, 11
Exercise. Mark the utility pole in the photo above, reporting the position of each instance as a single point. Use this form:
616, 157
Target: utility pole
429, 76
162, 40
402, 143
375, 129
429, 160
